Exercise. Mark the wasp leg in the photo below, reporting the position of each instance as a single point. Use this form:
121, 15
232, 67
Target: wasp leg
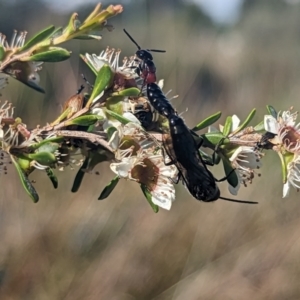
225, 177
164, 154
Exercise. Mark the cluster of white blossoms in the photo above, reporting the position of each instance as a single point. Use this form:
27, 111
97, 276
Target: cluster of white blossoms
286, 143
140, 159
245, 160
138, 156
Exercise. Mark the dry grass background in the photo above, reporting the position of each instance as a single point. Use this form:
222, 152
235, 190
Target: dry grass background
71, 246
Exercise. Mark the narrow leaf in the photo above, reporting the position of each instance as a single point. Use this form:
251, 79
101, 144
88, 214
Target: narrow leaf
86, 120
148, 196
109, 188
52, 177
57, 139
27, 185
208, 121
44, 158
94, 13
130, 92
227, 126
213, 139
104, 78
246, 122
79, 176
232, 177
283, 167
272, 111
260, 127
51, 54
118, 117
39, 37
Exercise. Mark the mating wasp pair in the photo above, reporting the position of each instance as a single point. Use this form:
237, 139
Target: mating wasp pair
179, 143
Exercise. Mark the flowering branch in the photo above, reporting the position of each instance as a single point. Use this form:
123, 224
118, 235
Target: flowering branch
128, 121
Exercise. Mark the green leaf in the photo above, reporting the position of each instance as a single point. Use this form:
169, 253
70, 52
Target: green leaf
103, 80
2, 52
118, 117
94, 13
57, 139
206, 158
208, 121
86, 120
109, 188
39, 37
284, 162
96, 157
213, 139
48, 147
32, 85
231, 175
110, 131
272, 111
50, 54
79, 176
27, 185
52, 177
130, 92
260, 127
57, 32
227, 126
246, 122
43, 158
148, 196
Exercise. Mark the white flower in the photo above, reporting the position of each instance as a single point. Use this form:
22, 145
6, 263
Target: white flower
235, 124
111, 57
293, 175
245, 160
18, 40
152, 173
286, 131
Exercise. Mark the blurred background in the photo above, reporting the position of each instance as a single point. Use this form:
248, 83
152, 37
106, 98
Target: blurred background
228, 55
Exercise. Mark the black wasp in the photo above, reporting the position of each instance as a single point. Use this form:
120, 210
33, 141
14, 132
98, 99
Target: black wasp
146, 68
182, 149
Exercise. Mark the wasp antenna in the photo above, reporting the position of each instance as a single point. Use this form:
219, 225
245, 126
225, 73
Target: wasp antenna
238, 201
80, 89
132, 39
86, 81
155, 50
